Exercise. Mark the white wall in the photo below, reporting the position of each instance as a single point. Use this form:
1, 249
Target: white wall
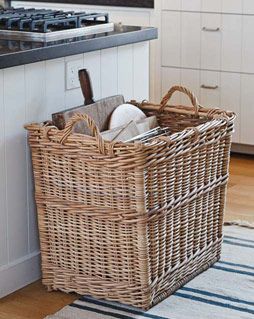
31, 93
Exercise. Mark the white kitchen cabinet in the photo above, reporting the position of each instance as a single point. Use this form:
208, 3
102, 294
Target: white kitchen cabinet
248, 6
210, 89
231, 98
204, 41
231, 50
191, 80
211, 41
169, 78
212, 53
213, 89
231, 6
190, 40
211, 5
247, 109
193, 5
176, 76
248, 45
171, 37
171, 4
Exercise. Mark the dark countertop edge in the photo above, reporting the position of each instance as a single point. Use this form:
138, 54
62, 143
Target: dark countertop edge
83, 46
149, 4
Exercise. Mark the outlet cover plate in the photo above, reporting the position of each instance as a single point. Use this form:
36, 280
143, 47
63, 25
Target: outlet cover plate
72, 79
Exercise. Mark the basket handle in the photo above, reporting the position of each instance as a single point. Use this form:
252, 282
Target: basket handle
91, 125
182, 89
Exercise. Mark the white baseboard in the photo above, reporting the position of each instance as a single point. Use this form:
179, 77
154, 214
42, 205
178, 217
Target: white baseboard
242, 148
20, 273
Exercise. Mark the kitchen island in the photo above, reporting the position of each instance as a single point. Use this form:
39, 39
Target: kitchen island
36, 80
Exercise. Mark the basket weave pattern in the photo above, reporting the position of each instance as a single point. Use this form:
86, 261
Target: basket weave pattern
127, 221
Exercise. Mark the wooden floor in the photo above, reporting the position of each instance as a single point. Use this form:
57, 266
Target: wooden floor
34, 302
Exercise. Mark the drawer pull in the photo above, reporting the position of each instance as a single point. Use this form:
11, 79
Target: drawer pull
209, 87
211, 29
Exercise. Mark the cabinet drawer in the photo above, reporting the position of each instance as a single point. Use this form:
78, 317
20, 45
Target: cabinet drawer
207, 41
216, 6
213, 89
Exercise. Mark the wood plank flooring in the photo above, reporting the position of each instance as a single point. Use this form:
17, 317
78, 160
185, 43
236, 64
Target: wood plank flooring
34, 302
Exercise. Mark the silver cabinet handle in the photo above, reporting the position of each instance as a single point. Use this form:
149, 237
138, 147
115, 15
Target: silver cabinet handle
211, 29
209, 87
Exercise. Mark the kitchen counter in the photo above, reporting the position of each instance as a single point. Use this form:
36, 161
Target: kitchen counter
14, 53
119, 3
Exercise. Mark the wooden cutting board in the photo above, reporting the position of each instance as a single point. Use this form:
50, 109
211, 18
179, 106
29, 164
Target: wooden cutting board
100, 112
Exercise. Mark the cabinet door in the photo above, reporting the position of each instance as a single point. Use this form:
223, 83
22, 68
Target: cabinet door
248, 45
248, 6
211, 41
169, 78
191, 80
190, 40
210, 89
211, 5
231, 98
171, 35
231, 52
232, 6
171, 5
193, 5
247, 109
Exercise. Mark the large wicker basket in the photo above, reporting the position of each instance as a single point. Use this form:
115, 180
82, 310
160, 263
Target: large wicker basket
126, 221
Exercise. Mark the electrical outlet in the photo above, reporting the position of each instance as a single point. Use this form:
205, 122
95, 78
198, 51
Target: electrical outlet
72, 79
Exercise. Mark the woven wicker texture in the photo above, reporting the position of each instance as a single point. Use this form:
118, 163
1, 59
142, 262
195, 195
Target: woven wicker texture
132, 222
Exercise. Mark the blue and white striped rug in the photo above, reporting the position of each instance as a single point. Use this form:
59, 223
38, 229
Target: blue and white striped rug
225, 291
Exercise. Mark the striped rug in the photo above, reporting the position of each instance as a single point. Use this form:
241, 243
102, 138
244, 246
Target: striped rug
225, 291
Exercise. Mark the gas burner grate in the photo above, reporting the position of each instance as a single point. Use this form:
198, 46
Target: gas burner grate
45, 21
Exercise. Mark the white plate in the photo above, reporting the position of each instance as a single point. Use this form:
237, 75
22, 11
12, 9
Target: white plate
125, 113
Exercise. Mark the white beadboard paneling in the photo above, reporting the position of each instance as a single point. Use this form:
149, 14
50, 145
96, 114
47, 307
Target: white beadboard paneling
141, 71
3, 212
248, 6
232, 6
211, 42
35, 84
171, 38
211, 5
109, 72
171, 77
231, 98
55, 86
190, 40
73, 97
210, 97
125, 71
92, 62
247, 109
248, 46
171, 4
14, 104
191, 80
231, 52
193, 5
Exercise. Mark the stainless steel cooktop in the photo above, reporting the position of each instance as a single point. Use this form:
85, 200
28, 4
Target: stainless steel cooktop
49, 25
